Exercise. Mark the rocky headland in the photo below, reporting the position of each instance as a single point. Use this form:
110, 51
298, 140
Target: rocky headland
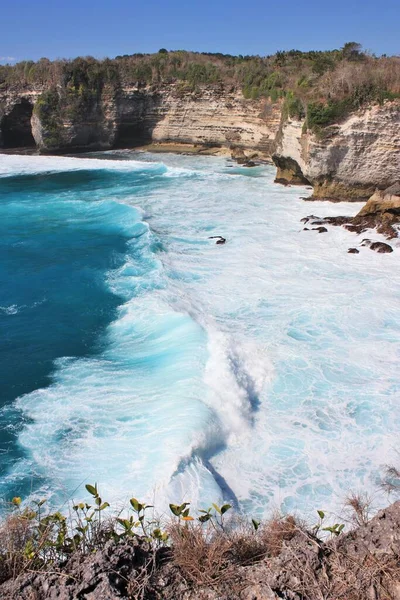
344, 161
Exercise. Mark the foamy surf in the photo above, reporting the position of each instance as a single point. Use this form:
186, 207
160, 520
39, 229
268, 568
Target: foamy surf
263, 371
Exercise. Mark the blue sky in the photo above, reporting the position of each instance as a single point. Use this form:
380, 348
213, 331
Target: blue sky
56, 28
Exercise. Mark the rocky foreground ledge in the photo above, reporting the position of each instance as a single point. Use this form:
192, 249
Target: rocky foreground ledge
287, 562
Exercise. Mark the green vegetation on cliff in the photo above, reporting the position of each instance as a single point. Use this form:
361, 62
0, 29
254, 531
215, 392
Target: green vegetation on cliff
321, 86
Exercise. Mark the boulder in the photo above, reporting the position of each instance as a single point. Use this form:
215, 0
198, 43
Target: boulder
381, 202
381, 247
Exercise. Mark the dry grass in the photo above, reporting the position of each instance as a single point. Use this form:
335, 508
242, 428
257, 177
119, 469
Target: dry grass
224, 558
201, 554
359, 506
15, 532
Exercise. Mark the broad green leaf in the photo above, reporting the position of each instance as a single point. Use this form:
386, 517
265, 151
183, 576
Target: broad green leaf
204, 518
91, 489
176, 510
225, 508
134, 504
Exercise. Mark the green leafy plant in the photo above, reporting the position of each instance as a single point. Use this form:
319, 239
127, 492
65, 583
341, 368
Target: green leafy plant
335, 529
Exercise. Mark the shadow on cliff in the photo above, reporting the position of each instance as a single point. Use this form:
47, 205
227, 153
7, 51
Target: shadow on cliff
137, 118
15, 127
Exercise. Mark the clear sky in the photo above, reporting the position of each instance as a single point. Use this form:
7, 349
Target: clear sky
67, 28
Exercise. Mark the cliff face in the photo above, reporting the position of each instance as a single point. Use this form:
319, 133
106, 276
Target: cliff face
216, 117
350, 161
132, 116
347, 161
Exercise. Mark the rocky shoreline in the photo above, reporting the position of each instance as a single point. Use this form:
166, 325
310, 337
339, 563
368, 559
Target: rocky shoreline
381, 213
296, 564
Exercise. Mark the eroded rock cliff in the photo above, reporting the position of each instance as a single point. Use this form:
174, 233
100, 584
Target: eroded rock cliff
348, 160
129, 117
345, 161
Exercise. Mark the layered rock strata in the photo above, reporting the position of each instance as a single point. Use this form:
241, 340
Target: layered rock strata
347, 161
211, 116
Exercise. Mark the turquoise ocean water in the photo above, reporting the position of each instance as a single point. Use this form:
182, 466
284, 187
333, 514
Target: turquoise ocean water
137, 353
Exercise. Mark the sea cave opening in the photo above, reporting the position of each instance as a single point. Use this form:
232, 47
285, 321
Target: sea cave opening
15, 127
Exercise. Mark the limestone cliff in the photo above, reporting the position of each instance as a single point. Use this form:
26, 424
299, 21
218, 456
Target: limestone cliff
211, 116
349, 160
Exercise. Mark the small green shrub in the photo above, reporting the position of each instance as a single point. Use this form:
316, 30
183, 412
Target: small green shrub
293, 107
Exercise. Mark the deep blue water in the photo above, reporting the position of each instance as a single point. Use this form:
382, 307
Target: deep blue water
56, 244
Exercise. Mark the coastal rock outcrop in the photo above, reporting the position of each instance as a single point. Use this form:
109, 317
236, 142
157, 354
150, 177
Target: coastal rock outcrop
346, 161
363, 564
381, 212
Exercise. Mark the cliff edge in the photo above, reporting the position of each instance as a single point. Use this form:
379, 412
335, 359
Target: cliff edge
291, 563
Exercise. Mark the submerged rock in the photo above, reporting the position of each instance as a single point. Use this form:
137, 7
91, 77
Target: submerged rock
381, 212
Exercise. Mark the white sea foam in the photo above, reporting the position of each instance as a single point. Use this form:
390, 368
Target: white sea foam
12, 164
265, 370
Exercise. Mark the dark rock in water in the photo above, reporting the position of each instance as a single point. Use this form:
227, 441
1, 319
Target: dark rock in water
381, 247
306, 229
337, 220
306, 219
219, 238
320, 229
353, 251
381, 212
352, 228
